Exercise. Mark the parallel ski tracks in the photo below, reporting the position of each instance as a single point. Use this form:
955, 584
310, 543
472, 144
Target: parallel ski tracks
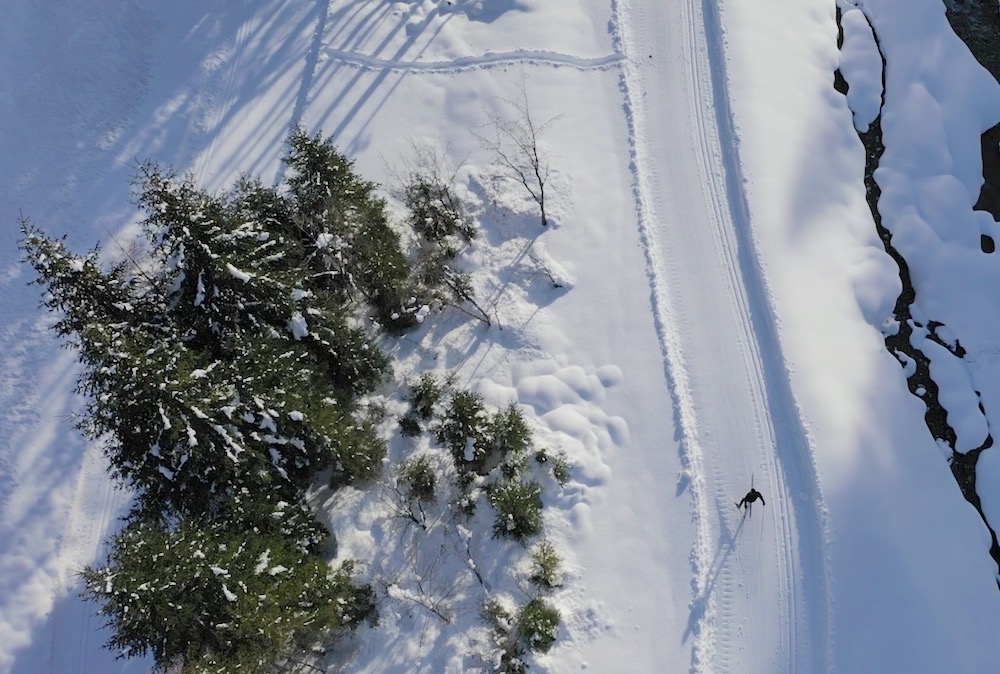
760, 601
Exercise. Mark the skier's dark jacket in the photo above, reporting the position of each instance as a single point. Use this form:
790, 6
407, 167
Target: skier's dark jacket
752, 496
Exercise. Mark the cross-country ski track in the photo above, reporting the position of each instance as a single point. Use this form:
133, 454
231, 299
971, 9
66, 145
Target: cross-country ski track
760, 589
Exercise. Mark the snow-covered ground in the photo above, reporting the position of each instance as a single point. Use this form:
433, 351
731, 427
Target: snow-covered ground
722, 321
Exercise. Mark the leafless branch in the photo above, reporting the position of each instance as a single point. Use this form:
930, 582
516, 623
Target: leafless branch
514, 144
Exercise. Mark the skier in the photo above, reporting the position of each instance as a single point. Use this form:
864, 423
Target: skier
751, 496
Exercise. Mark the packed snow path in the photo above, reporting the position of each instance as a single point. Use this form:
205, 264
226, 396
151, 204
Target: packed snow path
760, 590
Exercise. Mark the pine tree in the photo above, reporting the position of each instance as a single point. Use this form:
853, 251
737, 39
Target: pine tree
232, 357
229, 594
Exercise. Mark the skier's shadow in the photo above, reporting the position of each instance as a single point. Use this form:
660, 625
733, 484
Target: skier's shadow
699, 604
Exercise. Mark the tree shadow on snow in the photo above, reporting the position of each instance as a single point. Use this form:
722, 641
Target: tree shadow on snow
72, 639
420, 21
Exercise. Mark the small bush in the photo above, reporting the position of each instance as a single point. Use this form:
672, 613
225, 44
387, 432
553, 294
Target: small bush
561, 469
537, 625
462, 428
533, 629
519, 509
358, 449
418, 480
508, 439
496, 616
546, 572
436, 214
508, 654
409, 426
442, 229
559, 465
424, 396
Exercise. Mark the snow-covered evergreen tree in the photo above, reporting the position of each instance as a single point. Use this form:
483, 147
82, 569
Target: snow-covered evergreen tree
229, 594
235, 354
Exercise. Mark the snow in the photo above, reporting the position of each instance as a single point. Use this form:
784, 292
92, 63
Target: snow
957, 396
710, 310
861, 65
323, 240
199, 296
262, 562
297, 325
238, 274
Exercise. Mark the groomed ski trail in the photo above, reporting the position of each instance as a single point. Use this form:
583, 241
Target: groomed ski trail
760, 588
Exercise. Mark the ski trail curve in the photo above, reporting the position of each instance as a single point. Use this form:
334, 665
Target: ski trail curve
760, 587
